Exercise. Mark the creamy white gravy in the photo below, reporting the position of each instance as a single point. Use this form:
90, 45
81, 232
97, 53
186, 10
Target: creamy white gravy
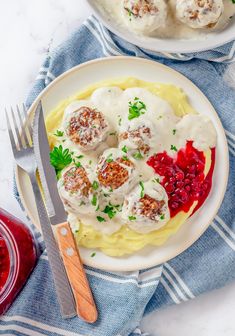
167, 131
174, 28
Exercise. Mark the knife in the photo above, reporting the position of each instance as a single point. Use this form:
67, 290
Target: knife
85, 305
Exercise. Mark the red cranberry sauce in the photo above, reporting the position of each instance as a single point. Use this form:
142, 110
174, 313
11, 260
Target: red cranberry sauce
4, 263
183, 177
19, 257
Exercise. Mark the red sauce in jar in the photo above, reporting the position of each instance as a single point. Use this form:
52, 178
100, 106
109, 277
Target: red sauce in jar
4, 262
17, 257
183, 177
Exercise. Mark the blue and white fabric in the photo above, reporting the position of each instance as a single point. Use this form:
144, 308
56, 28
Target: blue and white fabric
123, 298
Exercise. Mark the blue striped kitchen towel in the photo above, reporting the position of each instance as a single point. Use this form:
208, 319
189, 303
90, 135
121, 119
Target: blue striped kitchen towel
123, 298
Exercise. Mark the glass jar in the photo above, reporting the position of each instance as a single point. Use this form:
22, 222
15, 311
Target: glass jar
18, 255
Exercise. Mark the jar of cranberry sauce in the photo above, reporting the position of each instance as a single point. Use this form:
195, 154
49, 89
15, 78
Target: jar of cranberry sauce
18, 256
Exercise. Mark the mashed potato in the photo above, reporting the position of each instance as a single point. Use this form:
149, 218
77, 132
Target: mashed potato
119, 240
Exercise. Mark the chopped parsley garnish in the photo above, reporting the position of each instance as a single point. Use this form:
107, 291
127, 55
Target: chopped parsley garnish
156, 180
110, 211
113, 133
95, 185
94, 200
76, 231
119, 120
106, 195
174, 130
59, 133
93, 255
101, 219
80, 156
132, 218
82, 203
78, 164
125, 149
98, 208
160, 117
136, 108
109, 158
162, 217
60, 158
233, 1
125, 158
173, 148
142, 189
90, 162
129, 11
138, 155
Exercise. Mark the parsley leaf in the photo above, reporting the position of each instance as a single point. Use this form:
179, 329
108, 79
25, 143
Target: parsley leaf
132, 218
78, 164
80, 156
110, 211
162, 217
94, 200
60, 158
113, 133
59, 133
142, 189
173, 148
101, 219
125, 149
174, 130
136, 108
109, 158
93, 255
138, 156
95, 185
125, 158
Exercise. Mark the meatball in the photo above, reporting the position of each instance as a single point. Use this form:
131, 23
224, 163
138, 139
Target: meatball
199, 13
115, 171
145, 208
144, 16
75, 188
86, 127
137, 136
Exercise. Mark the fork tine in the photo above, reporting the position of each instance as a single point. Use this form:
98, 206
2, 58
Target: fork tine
11, 136
27, 126
28, 121
17, 132
23, 134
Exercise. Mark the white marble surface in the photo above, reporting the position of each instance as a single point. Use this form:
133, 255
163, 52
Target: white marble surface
27, 27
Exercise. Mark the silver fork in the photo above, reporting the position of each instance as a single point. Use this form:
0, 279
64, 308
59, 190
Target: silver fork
20, 133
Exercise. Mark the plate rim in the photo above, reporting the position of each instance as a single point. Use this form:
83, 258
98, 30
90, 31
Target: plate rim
160, 42
190, 242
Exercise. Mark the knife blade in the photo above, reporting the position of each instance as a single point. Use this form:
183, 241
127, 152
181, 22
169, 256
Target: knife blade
85, 305
62, 285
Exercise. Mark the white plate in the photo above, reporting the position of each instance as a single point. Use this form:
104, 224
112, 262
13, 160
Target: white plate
83, 75
213, 40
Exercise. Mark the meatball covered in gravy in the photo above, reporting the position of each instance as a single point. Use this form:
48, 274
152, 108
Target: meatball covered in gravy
146, 207
115, 171
86, 127
144, 16
75, 188
199, 13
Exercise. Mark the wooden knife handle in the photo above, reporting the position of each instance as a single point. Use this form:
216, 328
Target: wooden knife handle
85, 305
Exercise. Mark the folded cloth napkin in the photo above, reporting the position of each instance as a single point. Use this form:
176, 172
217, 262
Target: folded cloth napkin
123, 298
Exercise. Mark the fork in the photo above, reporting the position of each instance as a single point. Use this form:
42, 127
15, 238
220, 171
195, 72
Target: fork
20, 134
